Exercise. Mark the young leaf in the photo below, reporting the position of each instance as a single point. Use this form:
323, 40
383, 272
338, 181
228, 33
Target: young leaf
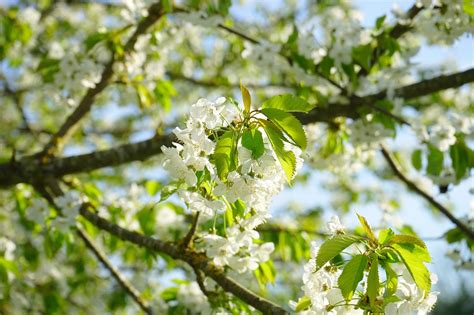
303, 303
351, 275
416, 159
224, 154
391, 282
367, 227
252, 140
288, 124
145, 99
332, 247
385, 235
287, 158
373, 280
407, 239
415, 266
246, 98
288, 103
435, 161
459, 154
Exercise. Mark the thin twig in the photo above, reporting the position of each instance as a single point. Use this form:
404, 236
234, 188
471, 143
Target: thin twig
123, 282
398, 172
155, 12
194, 258
189, 236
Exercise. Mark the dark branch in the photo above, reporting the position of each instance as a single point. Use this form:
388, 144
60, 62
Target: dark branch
123, 282
28, 168
410, 184
195, 259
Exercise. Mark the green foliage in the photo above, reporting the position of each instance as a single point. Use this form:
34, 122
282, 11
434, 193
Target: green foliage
225, 154
334, 246
287, 123
435, 161
416, 160
351, 275
288, 103
382, 251
287, 158
303, 304
252, 140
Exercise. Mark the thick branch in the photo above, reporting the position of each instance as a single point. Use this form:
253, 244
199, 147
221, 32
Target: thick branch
155, 12
29, 168
410, 184
124, 283
193, 258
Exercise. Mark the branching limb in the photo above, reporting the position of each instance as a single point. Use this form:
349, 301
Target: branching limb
29, 168
155, 12
193, 258
410, 184
123, 282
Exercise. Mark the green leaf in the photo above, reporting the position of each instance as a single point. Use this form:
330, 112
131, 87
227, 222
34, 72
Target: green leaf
363, 55
435, 161
332, 247
407, 239
152, 187
416, 159
391, 282
379, 21
252, 139
288, 103
287, 158
459, 154
351, 275
385, 235
367, 228
373, 280
267, 272
95, 38
303, 303
167, 5
288, 124
224, 154
415, 266
468, 7
145, 98
246, 98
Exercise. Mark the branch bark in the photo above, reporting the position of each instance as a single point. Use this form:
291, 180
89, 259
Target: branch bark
195, 259
28, 168
410, 184
123, 282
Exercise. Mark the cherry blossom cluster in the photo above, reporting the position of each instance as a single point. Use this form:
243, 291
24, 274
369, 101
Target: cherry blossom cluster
323, 295
250, 187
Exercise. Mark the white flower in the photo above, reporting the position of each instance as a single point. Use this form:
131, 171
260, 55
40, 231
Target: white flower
7, 247
191, 296
442, 135
335, 226
198, 203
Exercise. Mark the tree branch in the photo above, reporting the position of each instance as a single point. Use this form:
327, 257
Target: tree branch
155, 12
123, 282
29, 168
195, 259
189, 236
399, 173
